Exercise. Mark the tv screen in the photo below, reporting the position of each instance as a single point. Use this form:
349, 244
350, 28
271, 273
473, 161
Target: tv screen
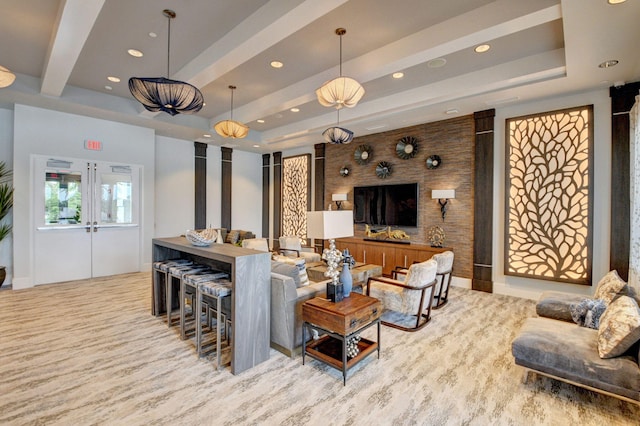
391, 205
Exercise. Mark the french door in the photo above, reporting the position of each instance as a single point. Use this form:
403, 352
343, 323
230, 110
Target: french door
86, 219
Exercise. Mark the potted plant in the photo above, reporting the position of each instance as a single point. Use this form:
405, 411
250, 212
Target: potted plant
6, 202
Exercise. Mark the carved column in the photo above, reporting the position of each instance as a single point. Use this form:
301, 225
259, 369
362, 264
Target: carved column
200, 177
225, 199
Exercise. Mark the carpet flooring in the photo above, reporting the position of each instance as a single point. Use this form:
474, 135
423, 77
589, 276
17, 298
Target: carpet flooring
90, 353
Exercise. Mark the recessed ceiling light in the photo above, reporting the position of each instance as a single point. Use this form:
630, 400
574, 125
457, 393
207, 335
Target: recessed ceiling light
615, 1
295, 110
451, 111
113, 79
108, 87
207, 135
260, 121
397, 75
256, 146
436, 63
482, 48
608, 64
277, 64
135, 53
153, 35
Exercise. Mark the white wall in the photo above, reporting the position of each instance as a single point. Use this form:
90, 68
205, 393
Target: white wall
214, 186
46, 132
246, 192
531, 288
6, 155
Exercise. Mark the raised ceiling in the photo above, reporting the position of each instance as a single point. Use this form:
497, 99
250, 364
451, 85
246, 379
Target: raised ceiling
63, 52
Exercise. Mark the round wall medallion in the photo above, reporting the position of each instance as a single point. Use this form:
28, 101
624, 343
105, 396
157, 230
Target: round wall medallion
344, 171
383, 170
363, 154
433, 162
436, 236
407, 147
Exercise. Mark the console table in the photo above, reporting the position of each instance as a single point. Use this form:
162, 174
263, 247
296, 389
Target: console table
250, 273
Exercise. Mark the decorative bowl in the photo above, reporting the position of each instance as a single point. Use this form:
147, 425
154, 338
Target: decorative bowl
201, 238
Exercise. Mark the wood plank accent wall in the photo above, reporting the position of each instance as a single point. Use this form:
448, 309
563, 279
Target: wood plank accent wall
225, 199
319, 150
266, 163
483, 205
454, 141
200, 178
622, 100
277, 197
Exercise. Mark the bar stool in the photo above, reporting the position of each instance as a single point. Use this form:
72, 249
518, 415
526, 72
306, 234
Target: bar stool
213, 292
178, 272
188, 286
160, 269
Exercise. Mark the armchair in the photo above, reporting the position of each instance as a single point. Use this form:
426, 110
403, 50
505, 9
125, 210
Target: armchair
259, 244
443, 276
411, 297
292, 246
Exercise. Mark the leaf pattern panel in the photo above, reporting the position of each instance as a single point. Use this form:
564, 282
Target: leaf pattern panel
295, 195
548, 185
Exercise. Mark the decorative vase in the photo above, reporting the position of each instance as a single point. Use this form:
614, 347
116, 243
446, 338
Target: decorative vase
346, 279
219, 239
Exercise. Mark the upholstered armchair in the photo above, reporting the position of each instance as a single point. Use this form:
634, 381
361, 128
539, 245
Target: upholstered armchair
292, 247
411, 297
259, 244
443, 275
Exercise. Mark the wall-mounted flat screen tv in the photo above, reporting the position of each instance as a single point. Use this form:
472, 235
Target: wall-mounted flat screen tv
390, 205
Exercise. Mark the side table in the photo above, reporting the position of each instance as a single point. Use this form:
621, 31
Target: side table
339, 322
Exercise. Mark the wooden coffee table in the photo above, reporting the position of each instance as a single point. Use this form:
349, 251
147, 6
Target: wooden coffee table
339, 322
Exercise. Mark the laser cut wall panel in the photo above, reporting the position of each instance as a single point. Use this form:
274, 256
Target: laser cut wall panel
549, 213
296, 194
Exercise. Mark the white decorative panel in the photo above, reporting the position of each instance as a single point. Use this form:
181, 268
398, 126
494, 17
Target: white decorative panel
634, 161
549, 209
296, 195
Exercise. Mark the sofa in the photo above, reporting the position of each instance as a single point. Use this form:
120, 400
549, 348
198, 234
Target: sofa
287, 297
604, 360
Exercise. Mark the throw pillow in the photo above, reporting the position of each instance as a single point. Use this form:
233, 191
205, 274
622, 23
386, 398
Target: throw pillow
299, 263
287, 270
587, 313
619, 327
232, 237
609, 287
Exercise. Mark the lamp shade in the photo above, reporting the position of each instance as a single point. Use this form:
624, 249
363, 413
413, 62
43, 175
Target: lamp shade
330, 224
6, 77
338, 197
162, 94
340, 92
231, 129
338, 135
442, 194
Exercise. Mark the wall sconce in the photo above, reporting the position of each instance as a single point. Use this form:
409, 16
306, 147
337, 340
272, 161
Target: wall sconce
339, 198
443, 196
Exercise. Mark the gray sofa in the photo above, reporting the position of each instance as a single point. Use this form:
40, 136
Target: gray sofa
553, 345
286, 309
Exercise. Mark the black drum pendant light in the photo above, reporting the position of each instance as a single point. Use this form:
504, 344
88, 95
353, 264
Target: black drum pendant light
162, 94
338, 135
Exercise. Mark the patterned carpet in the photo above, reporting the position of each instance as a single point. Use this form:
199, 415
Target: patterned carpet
90, 352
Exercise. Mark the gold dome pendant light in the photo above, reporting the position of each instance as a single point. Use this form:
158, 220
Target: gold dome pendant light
231, 128
341, 91
162, 94
6, 77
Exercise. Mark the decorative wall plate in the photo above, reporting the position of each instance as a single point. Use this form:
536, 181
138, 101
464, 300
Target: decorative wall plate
363, 154
433, 162
344, 171
383, 170
436, 236
407, 147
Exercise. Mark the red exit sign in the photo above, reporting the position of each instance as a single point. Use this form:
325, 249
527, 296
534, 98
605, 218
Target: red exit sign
93, 145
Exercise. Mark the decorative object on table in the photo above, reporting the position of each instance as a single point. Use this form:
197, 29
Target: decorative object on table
338, 199
443, 196
386, 233
352, 346
407, 147
329, 225
384, 169
433, 162
162, 94
202, 238
363, 154
6, 202
231, 128
341, 91
219, 238
346, 279
344, 171
436, 236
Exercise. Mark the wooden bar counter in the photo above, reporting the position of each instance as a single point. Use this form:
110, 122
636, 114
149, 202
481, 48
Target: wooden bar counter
250, 272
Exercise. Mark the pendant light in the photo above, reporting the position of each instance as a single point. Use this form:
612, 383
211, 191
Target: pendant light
341, 91
231, 128
338, 135
162, 94
6, 77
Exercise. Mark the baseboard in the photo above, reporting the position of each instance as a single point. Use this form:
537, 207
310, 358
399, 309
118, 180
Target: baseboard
21, 283
461, 282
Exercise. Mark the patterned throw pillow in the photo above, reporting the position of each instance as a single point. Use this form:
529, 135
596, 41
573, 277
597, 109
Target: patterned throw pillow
610, 286
619, 327
233, 236
299, 263
587, 313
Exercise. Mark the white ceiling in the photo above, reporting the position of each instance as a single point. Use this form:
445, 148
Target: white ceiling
63, 52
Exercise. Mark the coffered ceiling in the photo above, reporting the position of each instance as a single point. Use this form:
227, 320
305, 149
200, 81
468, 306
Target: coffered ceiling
63, 52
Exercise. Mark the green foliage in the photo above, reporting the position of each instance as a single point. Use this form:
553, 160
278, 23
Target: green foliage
6, 198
